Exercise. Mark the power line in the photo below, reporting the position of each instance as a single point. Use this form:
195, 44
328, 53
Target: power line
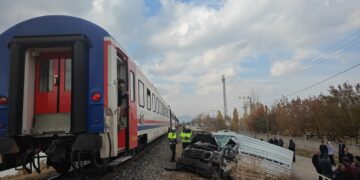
331, 49
331, 55
315, 84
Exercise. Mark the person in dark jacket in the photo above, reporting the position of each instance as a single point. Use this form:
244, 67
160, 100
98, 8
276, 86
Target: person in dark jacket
122, 94
348, 154
355, 168
281, 142
341, 174
276, 142
292, 148
341, 151
323, 148
325, 165
271, 141
315, 160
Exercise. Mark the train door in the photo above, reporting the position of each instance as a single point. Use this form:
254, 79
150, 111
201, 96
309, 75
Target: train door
122, 101
133, 126
52, 93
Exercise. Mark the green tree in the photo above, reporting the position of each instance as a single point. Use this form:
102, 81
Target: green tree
220, 121
234, 126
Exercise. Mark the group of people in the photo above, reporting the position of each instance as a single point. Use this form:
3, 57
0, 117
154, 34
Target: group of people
280, 142
347, 169
275, 141
185, 136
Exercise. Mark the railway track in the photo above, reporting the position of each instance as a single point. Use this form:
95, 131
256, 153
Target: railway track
90, 171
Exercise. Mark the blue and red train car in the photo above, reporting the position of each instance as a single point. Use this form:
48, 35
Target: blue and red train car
59, 80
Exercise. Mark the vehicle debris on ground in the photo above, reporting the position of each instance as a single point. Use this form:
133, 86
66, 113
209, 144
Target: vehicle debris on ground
228, 155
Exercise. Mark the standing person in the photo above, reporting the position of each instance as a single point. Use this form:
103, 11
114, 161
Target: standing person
281, 142
122, 103
122, 94
341, 174
185, 136
315, 161
355, 168
325, 165
323, 148
348, 154
271, 141
348, 168
276, 142
331, 151
292, 148
172, 141
341, 150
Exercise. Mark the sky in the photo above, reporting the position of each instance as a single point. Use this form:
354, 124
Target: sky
266, 49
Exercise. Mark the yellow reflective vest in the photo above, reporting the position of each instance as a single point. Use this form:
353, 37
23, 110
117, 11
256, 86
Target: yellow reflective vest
171, 136
185, 137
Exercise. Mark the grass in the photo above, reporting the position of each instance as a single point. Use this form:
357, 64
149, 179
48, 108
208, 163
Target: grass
21, 175
304, 153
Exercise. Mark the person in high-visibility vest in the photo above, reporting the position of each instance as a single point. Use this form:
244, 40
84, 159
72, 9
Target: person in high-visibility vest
185, 136
172, 141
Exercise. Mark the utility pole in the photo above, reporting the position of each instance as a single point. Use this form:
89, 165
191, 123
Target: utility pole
249, 98
267, 122
224, 94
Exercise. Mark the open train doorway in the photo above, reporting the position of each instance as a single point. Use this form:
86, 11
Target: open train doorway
122, 101
50, 69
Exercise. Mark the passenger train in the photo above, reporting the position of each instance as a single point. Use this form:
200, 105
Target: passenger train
59, 94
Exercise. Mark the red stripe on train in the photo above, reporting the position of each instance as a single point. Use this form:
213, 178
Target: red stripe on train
106, 75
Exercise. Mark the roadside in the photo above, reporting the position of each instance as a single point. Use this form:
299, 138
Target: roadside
303, 169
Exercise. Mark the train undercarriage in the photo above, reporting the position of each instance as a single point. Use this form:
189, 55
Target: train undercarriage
61, 152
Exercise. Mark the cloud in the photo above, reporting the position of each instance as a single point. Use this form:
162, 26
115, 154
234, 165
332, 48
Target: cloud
288, 66
186, 46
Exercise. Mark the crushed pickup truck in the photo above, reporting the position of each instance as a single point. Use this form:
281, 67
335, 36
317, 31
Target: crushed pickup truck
228, 155
205, 157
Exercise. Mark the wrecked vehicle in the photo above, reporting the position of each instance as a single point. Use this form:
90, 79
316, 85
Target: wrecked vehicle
258, 157
228, 155
204, 156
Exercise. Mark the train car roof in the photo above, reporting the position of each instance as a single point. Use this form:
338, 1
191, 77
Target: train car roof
49, 26
54, 25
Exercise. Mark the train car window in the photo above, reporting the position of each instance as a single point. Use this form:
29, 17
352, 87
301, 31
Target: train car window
132, 86
156, 102
158, 105
46, 75
148, 99
162, 109
153, 102
67, 74
141, 94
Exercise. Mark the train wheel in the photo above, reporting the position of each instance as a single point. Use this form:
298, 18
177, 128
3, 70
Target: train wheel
59, 156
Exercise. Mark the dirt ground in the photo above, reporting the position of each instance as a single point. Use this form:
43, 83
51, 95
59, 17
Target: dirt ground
303, 169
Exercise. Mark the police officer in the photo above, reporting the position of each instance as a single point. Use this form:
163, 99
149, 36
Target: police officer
172, 141
185, 136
